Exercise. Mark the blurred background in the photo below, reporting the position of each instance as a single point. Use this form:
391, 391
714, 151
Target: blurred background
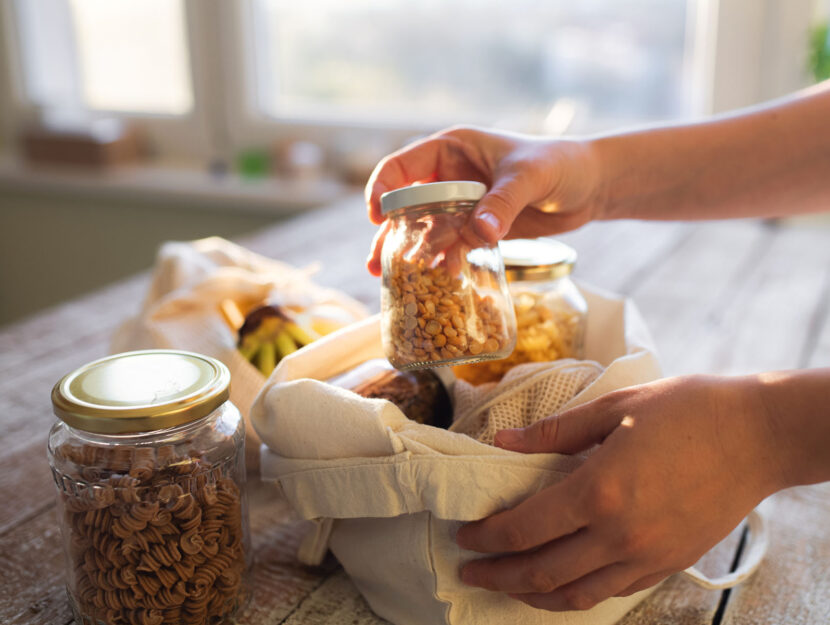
124, 123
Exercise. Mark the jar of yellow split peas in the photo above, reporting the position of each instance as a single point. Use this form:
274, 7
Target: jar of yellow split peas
550, 311
443, 300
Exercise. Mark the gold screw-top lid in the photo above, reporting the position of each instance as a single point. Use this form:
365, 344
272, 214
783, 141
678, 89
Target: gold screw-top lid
536, 259
141, 391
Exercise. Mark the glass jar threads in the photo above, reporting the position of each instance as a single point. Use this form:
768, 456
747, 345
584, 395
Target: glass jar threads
443, 300
148, 459
550, 311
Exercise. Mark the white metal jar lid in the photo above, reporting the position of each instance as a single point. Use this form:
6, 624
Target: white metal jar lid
430, 193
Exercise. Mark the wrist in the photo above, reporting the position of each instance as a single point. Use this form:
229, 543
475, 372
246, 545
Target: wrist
602, 155
797, 413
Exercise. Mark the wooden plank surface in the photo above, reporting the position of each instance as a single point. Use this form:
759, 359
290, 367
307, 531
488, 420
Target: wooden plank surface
710, 286
792, 585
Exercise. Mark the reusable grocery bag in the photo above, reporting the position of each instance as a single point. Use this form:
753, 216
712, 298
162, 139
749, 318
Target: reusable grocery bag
181, 309
387, 495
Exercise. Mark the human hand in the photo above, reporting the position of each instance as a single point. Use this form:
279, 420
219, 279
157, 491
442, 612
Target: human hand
680, 462
537, 186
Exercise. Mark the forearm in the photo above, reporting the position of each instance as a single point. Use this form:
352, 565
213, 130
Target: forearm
796, 405
770, 161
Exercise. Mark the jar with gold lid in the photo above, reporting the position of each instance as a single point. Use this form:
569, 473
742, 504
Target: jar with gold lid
148, 459
550, 311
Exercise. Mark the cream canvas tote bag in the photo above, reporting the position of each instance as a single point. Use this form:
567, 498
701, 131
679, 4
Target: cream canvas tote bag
387, 495
181, 309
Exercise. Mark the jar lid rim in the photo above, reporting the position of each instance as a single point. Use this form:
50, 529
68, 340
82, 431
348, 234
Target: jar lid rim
536, 259
141, 391
431, 192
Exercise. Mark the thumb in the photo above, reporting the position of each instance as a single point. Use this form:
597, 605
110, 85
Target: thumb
567, 433
497, 210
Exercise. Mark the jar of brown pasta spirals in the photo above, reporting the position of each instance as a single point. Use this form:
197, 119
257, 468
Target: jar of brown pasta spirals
148, 459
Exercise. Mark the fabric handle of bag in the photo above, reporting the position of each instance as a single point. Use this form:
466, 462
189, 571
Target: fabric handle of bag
756, 549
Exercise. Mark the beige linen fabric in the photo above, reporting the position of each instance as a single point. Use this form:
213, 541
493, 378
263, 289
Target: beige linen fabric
388, 494
181, 309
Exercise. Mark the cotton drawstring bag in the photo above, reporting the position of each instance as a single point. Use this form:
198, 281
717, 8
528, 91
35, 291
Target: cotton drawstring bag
387, 495
181, 308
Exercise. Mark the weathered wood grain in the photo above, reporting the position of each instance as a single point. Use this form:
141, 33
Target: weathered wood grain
49, 334
793, 583
764, 323
335, 602
617, 256
32, 573
279, 583
678, 601
697, 280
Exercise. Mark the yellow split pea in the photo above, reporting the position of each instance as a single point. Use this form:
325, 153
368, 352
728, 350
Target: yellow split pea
544, 334
432, 317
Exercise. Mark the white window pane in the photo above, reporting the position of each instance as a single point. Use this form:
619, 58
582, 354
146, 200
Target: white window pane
132, 55
525, 61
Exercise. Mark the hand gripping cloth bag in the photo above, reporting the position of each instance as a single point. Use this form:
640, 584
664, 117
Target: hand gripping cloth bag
387, 495
181, 308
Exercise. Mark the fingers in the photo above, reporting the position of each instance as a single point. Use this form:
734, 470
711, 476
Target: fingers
439, 157
532, 223
497, 210
454, 257
568, 433
373, 261
645, 582
399, 169
543, 570
535, 521
586, 592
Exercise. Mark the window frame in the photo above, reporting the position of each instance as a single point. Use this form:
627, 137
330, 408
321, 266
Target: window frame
173, 137
725, 39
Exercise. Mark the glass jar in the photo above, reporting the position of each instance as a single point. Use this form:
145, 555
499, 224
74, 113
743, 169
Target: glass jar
551, 313
148, 459
443, 301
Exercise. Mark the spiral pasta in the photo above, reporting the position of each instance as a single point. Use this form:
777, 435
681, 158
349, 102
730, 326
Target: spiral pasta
155, 537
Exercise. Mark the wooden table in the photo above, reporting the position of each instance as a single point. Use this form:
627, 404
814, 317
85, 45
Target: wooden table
726, 297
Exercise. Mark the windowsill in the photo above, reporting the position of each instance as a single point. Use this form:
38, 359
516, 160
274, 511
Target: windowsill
179, 185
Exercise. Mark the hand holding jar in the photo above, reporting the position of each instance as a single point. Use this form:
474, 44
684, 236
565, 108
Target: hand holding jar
557, 180
444, 300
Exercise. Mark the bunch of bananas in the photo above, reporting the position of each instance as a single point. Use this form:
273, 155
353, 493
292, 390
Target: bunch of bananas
267, 334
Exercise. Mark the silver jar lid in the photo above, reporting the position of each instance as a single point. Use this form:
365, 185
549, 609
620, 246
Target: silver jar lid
430, 193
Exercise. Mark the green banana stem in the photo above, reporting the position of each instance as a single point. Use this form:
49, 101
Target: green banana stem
300, 335
266, 359
285, 344
249, 347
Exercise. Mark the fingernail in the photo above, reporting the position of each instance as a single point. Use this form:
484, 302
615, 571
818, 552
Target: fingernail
509, 438
487, 226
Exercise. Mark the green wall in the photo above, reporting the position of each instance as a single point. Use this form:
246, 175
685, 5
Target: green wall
53, 248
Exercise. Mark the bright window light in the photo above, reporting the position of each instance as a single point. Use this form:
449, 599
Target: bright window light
530, 64
132, 55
